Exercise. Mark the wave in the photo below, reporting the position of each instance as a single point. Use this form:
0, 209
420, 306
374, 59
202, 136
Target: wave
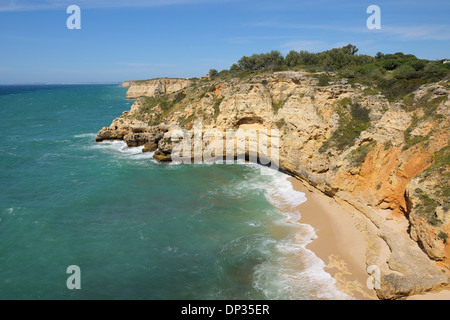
296, 274
86, 135
121, 149
291, 271
295, 271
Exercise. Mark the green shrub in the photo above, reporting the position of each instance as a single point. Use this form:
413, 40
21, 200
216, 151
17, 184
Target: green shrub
186, 120
411, 140
442, 235
351, 124
323, 80
213, 73
345, 102
216, 106
389, 64
388, 145
408, 100
435, 72
359, 112
395, 89
179, 97
425, 103
396, 75
434, 221
358, 156
370, 92
405, 71
427, 208
277, 106
281, 123
348, 73
417, 64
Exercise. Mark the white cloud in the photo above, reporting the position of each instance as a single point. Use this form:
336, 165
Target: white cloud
422, 32
404, 33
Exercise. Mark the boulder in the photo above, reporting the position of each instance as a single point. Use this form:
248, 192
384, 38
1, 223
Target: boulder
162, 157
140, 139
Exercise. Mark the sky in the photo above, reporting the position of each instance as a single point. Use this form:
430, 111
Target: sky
141, 39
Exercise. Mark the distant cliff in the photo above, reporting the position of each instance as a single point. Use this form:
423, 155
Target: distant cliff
388, 159
154, 87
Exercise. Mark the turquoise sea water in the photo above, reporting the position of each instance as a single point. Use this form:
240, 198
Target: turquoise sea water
137, 229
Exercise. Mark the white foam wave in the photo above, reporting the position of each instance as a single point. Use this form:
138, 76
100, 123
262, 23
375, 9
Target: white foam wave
281, 192
285, 276
120, 148
86, 135
254, 223
296, 273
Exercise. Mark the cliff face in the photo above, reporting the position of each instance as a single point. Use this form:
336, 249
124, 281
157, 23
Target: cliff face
154, 87
388, 160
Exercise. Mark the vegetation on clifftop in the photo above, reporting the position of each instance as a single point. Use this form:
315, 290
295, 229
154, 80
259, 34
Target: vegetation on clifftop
394, 75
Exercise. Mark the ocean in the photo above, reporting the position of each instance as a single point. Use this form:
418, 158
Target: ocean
135, 228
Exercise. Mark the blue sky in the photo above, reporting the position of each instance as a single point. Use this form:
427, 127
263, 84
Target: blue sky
141, 39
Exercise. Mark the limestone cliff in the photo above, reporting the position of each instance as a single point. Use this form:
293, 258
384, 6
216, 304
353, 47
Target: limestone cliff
154, 87
388, 160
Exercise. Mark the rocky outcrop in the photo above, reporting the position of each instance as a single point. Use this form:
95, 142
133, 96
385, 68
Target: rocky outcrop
428, 200
154, 87
390, 161
108, 133
143, 138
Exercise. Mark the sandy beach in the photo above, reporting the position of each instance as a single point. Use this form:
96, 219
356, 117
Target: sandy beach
341, 241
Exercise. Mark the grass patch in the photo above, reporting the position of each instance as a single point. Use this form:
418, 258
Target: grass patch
441, 161
358, 156
408, 100
442, 235
388, 145
216, 106
411, 140
324, 80
351, 124
370, 92
184, 121
428, 106
281, 124
427, 209
277, 106
345, 102
166, 104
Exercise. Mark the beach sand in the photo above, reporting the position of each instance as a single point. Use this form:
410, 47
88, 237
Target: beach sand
341, 241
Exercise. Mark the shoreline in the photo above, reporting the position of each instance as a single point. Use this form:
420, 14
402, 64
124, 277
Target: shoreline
341, 241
